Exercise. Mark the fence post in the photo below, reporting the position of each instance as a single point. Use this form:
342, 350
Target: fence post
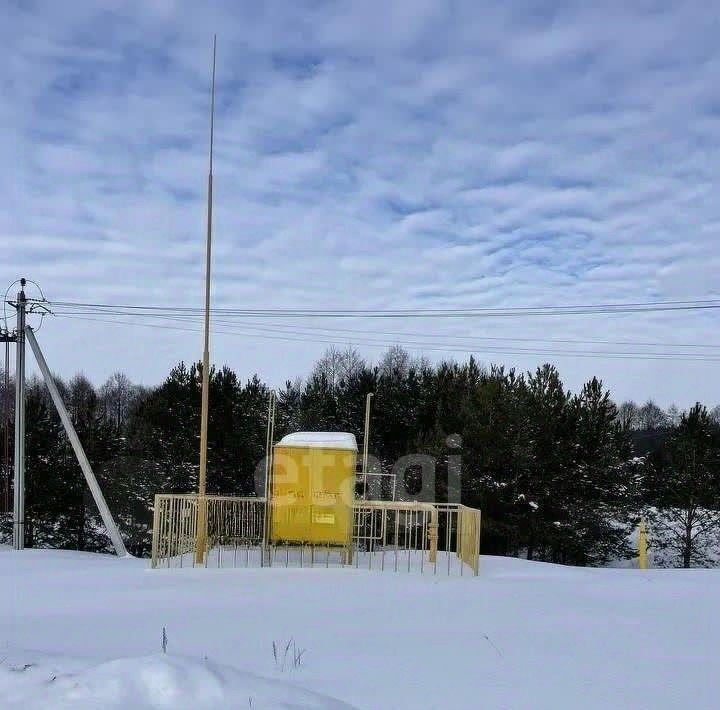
433, 535
155, 532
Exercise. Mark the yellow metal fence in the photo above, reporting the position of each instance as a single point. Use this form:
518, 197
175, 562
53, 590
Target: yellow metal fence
386, 535
468, 546
232, 522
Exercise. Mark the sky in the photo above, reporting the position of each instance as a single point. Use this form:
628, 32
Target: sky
378, 155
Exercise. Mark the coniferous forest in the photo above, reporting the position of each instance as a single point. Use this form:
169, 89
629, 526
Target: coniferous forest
559, 476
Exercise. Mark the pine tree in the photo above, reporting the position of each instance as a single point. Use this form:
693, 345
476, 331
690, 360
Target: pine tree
686, 487
558, 477
603, 488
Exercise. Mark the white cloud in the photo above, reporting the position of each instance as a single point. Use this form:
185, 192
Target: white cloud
369, 154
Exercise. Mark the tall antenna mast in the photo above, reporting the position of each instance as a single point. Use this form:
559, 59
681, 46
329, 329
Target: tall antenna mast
201, 542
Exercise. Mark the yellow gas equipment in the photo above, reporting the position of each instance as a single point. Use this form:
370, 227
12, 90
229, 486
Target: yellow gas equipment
312, 488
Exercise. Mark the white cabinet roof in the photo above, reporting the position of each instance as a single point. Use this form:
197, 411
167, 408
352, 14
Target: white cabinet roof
320, 440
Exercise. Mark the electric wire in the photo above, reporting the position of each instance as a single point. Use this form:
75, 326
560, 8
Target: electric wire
422, 346
312, 329
486, 312
5, 301
174, 317
42, 299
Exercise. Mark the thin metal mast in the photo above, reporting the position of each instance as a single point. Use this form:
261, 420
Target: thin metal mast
270, 437
366, 443
19, 473
366, 437
201, 542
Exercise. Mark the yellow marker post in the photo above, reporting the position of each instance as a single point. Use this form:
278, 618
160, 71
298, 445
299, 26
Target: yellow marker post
642, 546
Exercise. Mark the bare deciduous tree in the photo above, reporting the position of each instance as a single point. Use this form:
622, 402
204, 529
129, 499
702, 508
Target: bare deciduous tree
339, 365
650, 416
629, 415
116, 398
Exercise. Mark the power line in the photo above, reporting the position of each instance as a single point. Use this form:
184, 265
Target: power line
294, 332
434, 347
312, 329
487, 312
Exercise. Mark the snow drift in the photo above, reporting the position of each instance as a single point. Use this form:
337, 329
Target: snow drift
149, 683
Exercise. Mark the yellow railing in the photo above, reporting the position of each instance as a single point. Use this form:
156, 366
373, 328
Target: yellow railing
231, 521
386, 535
468, 546
174, 526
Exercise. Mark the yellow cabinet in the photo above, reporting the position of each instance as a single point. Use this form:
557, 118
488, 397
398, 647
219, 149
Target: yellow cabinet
312, 488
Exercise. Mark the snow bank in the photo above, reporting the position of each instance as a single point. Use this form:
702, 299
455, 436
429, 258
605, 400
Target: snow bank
521, 635
320, 440
149, 683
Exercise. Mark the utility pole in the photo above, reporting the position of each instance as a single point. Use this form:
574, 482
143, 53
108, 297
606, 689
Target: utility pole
22, 334
86, 468
19, 477
201, 541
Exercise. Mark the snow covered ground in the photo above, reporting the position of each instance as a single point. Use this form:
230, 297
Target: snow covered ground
85, 631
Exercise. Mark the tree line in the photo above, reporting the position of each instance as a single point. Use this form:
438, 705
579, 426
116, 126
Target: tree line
559, 476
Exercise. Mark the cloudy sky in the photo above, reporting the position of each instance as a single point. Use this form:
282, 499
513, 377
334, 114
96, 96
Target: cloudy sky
381, 155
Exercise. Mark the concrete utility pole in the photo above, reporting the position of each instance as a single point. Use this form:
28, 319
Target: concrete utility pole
19, 472
97, 495
201, 541
24, 333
